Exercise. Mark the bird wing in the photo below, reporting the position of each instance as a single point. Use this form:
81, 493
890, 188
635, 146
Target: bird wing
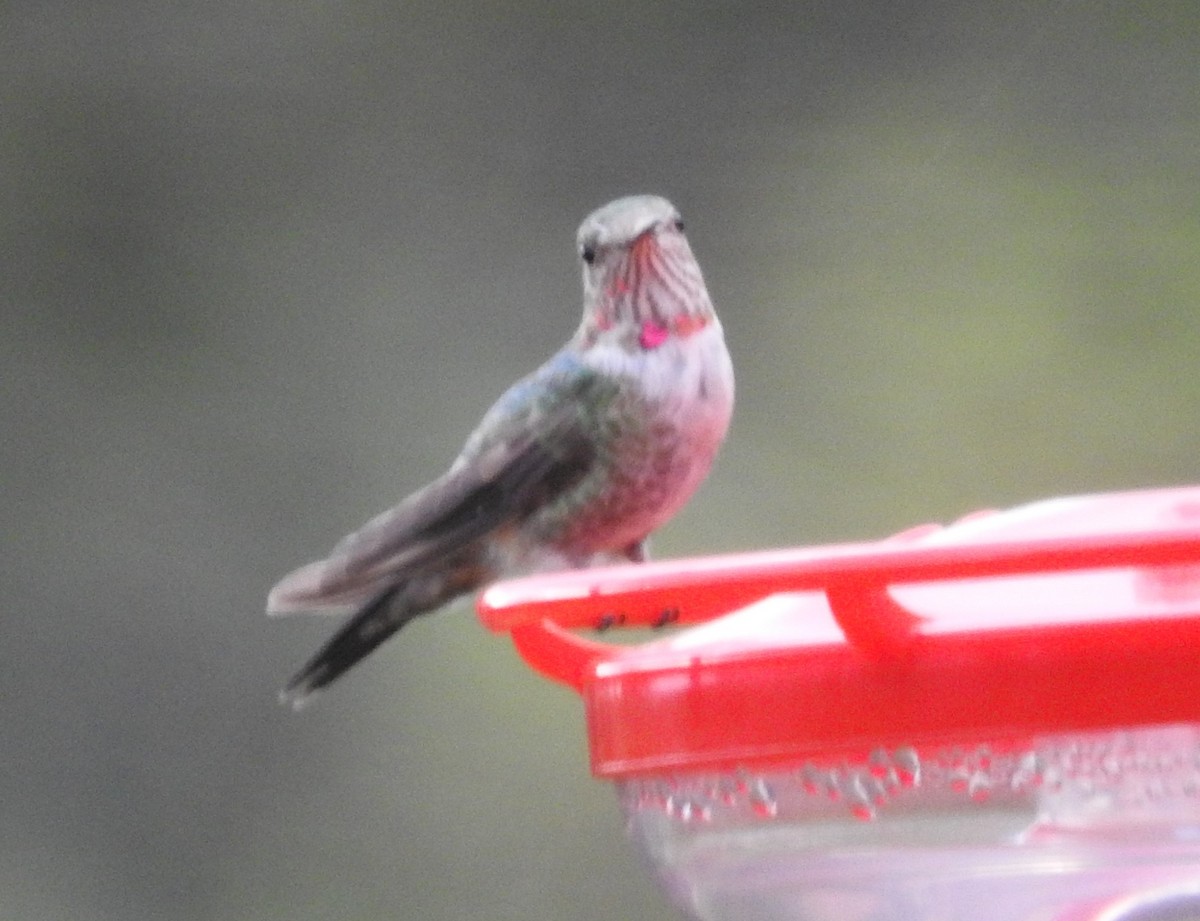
533, 445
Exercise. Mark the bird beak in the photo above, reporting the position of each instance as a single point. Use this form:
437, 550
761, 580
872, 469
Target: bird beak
644, 245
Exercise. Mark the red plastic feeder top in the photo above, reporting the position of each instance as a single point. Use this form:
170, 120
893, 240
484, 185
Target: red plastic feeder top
1069, 614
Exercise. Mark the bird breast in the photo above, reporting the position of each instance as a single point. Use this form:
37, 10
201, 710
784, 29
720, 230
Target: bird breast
670, 415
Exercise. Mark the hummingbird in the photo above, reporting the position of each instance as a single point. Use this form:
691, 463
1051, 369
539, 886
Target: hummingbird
574, 465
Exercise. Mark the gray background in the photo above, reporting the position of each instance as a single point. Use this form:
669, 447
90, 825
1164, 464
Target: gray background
265, 264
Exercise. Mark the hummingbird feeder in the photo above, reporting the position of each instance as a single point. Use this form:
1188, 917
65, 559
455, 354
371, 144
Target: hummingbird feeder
998, 720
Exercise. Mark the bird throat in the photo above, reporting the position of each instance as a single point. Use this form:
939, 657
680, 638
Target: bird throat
653, 296
645, 334
651, 334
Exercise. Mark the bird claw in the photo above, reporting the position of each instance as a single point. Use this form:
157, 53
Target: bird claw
608, 621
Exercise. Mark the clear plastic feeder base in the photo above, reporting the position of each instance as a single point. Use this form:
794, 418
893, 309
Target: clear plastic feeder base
1062, 829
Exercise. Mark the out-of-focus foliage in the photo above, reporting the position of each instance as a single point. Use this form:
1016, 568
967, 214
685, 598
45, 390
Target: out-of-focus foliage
265, 264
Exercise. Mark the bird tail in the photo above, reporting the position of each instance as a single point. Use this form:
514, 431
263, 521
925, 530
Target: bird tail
375, 621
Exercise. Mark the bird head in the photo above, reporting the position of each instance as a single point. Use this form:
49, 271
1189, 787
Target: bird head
641, 283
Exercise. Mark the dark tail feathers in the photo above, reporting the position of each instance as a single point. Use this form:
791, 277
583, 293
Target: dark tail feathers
378, 619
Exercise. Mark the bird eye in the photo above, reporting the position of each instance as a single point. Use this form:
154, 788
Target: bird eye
679, 224
587, 253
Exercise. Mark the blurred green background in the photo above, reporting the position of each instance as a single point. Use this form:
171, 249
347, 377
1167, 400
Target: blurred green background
265, 265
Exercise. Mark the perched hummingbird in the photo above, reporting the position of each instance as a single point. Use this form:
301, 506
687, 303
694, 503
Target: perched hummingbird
573, 466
